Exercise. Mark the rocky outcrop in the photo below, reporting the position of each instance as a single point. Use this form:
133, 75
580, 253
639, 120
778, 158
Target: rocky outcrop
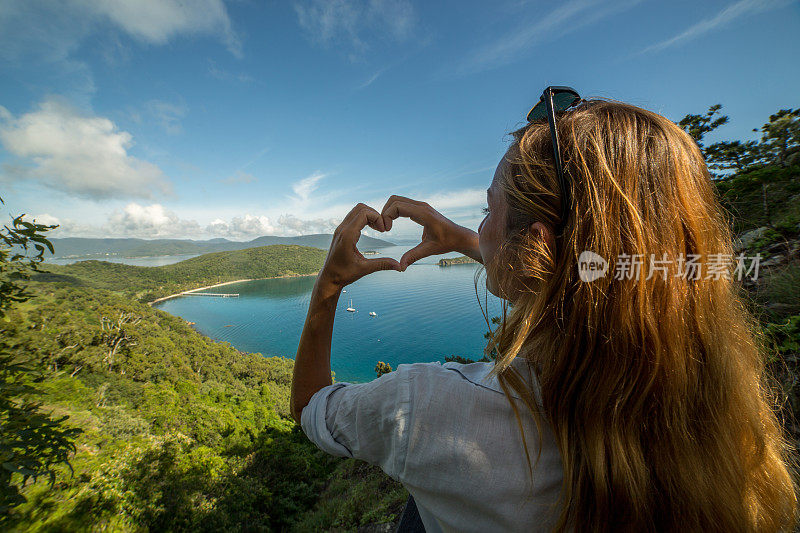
463, 260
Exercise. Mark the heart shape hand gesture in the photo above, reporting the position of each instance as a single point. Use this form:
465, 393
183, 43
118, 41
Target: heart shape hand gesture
440, 235
345, 264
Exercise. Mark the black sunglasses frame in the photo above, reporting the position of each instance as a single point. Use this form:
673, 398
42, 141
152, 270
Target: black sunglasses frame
547, 97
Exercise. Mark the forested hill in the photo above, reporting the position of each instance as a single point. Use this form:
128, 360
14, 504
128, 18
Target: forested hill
82, 247
150, 283
178, 432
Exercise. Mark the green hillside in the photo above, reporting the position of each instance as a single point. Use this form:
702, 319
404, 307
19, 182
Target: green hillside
91, 248
179, 432
150, 283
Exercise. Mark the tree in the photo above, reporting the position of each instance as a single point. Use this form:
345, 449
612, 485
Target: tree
32, 442
382, 368
698, 125
735, 155
116, 337
780, 137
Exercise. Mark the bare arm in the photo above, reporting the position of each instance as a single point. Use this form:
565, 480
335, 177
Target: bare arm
312, 364
470, 244
343, 265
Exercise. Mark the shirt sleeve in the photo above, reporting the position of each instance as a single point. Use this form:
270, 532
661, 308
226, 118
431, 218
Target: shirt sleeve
368, 421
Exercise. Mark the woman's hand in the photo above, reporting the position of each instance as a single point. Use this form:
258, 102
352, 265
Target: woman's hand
344, 263
440, 235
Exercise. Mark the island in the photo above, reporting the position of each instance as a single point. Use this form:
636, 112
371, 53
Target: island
461, 260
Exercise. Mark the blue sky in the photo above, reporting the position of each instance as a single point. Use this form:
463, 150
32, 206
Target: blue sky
162, 118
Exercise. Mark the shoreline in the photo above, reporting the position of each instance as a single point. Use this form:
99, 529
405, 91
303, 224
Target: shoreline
163, 298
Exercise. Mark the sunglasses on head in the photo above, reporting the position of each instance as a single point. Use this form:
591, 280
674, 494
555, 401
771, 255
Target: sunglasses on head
554, 99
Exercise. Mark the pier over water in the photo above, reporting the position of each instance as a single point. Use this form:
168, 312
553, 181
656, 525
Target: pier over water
217, 294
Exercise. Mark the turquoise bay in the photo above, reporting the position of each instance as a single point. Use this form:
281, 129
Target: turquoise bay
423, 314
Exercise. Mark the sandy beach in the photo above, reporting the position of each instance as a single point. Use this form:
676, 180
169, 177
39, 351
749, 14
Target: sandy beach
224, 283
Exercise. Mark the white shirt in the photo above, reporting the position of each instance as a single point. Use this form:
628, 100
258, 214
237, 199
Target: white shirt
450, 437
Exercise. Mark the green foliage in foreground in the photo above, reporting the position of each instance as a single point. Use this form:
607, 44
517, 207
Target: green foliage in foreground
179, 432
357, 494
744, 195
33, 443
785, 335
150, 283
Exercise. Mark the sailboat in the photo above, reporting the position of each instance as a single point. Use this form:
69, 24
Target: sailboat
351, 309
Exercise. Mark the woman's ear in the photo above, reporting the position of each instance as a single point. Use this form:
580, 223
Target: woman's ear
545, 233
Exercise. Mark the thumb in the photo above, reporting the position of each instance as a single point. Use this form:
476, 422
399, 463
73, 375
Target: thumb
421, 250
384, 263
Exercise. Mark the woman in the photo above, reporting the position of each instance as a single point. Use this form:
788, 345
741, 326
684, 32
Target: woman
630, 400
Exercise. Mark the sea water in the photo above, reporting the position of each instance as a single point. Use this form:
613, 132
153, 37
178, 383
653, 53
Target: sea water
423, 314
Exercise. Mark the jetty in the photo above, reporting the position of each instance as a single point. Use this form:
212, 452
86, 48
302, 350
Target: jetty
217, 294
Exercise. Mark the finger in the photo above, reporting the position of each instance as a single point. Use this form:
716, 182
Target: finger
421, 250
384, 263
395, 198
400, 208
361, 216
387, 220
369, 217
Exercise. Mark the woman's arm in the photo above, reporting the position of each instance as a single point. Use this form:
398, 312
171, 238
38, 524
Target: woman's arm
470, 244
312, 364
440, 235
343, 265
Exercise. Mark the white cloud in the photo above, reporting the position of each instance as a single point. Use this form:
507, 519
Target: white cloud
45, 218
353, 23
149, 221
242, 228
67, 227
158, 21
168, 115
83, 155
465, 198
39, 24
306, 186
248, 227
292, 225
720, 20
566, 18
154, 221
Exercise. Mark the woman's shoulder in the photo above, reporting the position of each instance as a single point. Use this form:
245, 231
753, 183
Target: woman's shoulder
448, 370
466, 374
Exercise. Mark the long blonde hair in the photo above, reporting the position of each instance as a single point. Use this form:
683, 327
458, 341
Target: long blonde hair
655, 389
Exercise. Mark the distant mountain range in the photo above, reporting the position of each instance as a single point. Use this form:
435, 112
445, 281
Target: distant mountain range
98, 248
